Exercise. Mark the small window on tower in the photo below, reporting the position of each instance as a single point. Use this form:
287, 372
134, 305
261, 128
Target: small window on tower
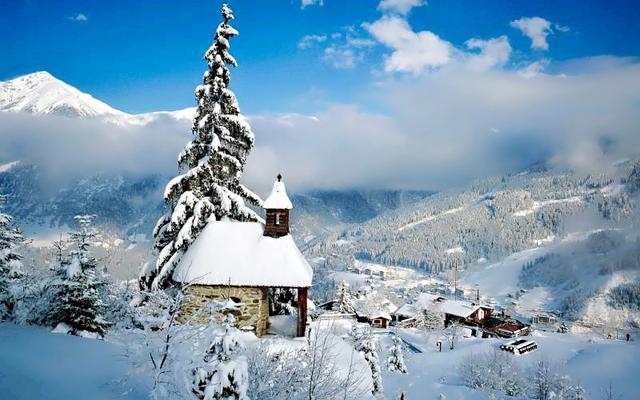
277, 218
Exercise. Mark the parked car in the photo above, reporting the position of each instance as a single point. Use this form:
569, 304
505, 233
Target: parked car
520, 346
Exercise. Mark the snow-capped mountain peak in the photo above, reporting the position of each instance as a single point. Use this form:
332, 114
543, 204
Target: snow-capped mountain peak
42, 94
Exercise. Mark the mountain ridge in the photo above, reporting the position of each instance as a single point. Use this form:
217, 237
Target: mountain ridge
41, 93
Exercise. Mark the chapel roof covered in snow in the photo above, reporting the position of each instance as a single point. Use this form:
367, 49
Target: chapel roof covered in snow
238, 254
278, 198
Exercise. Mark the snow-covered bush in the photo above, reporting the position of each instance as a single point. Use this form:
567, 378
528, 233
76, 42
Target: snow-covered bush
178, 352
161, 348
344, 302
452, 333
277, 374
497, 372
364, 342
317, 370
395, 361
35, 299
119, 296
224, 374
547, 383
494, 371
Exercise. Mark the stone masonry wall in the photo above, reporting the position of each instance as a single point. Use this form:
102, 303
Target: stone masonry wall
256, 310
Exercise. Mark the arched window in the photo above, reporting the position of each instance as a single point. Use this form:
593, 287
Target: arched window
277, 218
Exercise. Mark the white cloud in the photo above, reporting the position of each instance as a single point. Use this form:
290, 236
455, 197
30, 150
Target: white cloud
360, 42
493, 53
561, 28
535, 28
439, 130
400, 6
309, 40
412, 51
345, 49
109, 148
78, 18
452, 126
306, 3
534, 69
341, 57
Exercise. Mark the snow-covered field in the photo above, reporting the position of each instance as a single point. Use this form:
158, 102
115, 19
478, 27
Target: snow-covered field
37, 364
591, 362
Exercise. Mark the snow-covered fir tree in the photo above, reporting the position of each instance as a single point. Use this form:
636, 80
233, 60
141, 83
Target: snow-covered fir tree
80, 309
344, 302
214, 159
225, 373
10, 262
430, 320
364, 342
395, 361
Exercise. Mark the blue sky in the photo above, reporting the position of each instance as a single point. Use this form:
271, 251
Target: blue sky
144, 56
343, 93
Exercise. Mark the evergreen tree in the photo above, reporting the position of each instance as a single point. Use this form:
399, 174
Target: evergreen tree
83, 238
344, 302
10, 262
215, 160
395, 362
430, 320
225, 374
366, 345
80, 310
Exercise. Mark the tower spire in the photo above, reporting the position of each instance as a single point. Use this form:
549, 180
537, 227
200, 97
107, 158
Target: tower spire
277, 208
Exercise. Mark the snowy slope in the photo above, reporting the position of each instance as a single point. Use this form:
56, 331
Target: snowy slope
36, 364
41, 93
501, 279
490, 219
8, 166
572, 277
591, 362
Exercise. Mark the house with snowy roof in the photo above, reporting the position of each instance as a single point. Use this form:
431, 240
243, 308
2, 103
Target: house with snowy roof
464, 312
374, 309
410, 311
241, 261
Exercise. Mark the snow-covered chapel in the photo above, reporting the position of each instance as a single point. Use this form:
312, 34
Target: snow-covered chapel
241, 261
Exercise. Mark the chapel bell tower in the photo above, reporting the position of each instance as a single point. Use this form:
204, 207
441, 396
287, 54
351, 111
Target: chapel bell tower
277, 208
